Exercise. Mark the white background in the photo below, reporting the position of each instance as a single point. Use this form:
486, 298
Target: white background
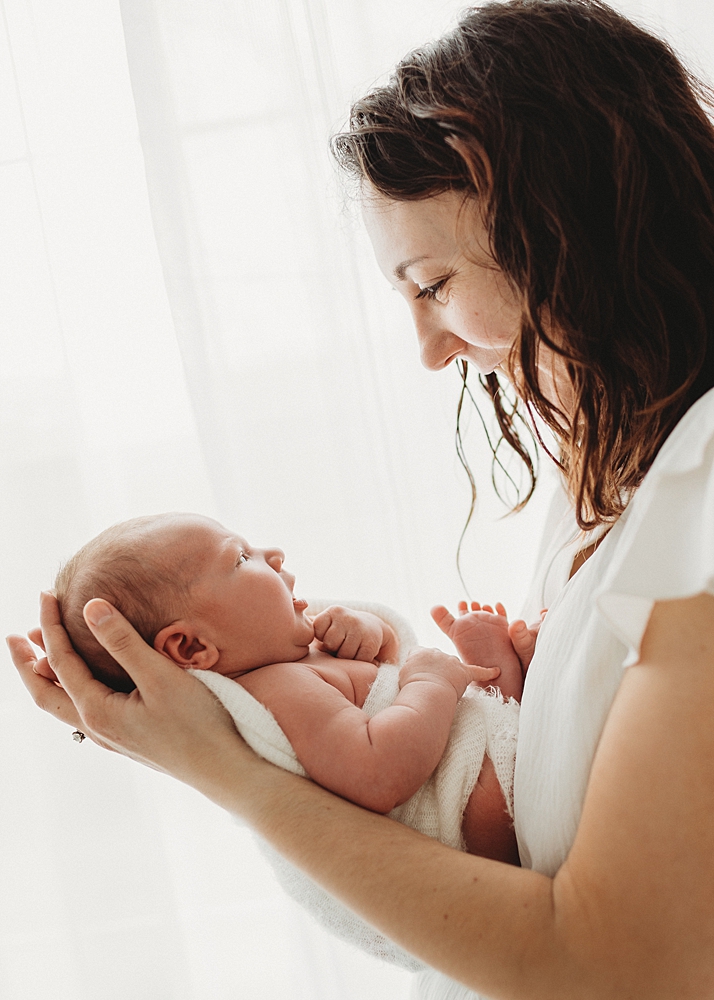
191, 320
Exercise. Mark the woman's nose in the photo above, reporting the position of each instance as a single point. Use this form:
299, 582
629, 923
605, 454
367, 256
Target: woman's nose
275, 559
438, 347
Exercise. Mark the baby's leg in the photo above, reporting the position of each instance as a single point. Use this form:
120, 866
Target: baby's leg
482, 638
486, 827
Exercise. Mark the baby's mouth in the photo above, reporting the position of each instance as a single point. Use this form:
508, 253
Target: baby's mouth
299, 604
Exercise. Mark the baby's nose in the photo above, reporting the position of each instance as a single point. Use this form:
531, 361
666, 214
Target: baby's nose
275, 558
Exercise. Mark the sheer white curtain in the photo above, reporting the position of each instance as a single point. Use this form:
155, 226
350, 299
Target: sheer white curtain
192, 320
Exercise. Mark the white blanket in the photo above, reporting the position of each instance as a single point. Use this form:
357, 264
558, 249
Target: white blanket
483, 722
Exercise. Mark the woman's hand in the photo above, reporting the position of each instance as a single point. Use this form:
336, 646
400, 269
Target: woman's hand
170, 721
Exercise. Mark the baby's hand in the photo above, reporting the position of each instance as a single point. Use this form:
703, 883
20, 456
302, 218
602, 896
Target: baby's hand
354, 635
428, 664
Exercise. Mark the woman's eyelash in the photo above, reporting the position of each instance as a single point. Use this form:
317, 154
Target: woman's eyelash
243, 557
430, 292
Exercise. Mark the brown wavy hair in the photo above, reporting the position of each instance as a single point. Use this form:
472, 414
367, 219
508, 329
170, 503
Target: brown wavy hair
589, 148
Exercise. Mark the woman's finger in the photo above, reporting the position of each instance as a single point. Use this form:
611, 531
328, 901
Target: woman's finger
35, 635
45, 693
43, 667
70, 669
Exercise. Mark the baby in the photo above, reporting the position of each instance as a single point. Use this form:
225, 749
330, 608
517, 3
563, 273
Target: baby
203, 597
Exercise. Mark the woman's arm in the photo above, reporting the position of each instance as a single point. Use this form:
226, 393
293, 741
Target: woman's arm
630, 913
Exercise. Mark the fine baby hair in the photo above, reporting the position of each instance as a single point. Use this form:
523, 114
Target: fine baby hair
135, 567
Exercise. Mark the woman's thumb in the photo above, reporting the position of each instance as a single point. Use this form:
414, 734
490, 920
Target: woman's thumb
111, 629
97, 612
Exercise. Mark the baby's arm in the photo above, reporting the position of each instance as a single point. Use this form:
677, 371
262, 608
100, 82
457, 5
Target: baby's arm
355, 635
380, 762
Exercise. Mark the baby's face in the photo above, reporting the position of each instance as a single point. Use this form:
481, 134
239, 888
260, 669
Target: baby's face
243, 598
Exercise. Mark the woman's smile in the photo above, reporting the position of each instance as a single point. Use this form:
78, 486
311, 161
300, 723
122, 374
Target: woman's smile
434, 252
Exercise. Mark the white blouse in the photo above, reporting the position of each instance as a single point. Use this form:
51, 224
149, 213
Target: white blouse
661, 548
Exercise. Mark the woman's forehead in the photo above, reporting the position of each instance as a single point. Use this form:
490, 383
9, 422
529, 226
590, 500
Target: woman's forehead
404, 233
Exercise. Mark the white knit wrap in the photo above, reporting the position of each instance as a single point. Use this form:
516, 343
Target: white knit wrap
483, 722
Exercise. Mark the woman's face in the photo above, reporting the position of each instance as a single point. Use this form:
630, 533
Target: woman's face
435, 253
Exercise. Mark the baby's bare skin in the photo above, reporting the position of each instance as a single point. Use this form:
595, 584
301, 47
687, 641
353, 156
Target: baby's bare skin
483, 635
486, 826
377, 762
244, 621
380, 763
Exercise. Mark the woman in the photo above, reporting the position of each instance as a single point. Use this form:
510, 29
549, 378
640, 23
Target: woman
540, 187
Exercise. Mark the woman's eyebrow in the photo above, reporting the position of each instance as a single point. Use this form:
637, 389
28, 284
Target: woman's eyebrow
400, 271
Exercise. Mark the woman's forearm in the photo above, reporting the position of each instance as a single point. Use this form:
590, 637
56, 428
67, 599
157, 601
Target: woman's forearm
628, 915
448, 908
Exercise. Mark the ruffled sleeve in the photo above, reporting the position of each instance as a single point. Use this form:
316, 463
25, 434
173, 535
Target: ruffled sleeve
666, 550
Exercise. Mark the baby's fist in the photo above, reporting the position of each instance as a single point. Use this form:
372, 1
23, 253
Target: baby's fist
348, 634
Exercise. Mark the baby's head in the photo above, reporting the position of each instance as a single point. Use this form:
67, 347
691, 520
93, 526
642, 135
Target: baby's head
196, 592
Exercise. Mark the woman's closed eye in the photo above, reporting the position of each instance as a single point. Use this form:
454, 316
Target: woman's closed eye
243, 557
431, 291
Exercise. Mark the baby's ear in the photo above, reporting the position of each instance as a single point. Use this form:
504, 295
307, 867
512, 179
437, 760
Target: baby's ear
181, 644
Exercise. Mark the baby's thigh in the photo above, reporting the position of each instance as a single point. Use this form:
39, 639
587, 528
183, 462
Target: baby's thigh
486, 827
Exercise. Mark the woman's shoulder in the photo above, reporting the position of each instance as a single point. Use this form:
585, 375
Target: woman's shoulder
686, 447
665, 548
675, 499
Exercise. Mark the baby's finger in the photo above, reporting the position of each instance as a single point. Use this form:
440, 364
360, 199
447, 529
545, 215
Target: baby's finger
462, 607
483, 675
475, 606
321, 623
44, 692
500, 610
487, 607
333, 637
367, 652
349, 646
443, 617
